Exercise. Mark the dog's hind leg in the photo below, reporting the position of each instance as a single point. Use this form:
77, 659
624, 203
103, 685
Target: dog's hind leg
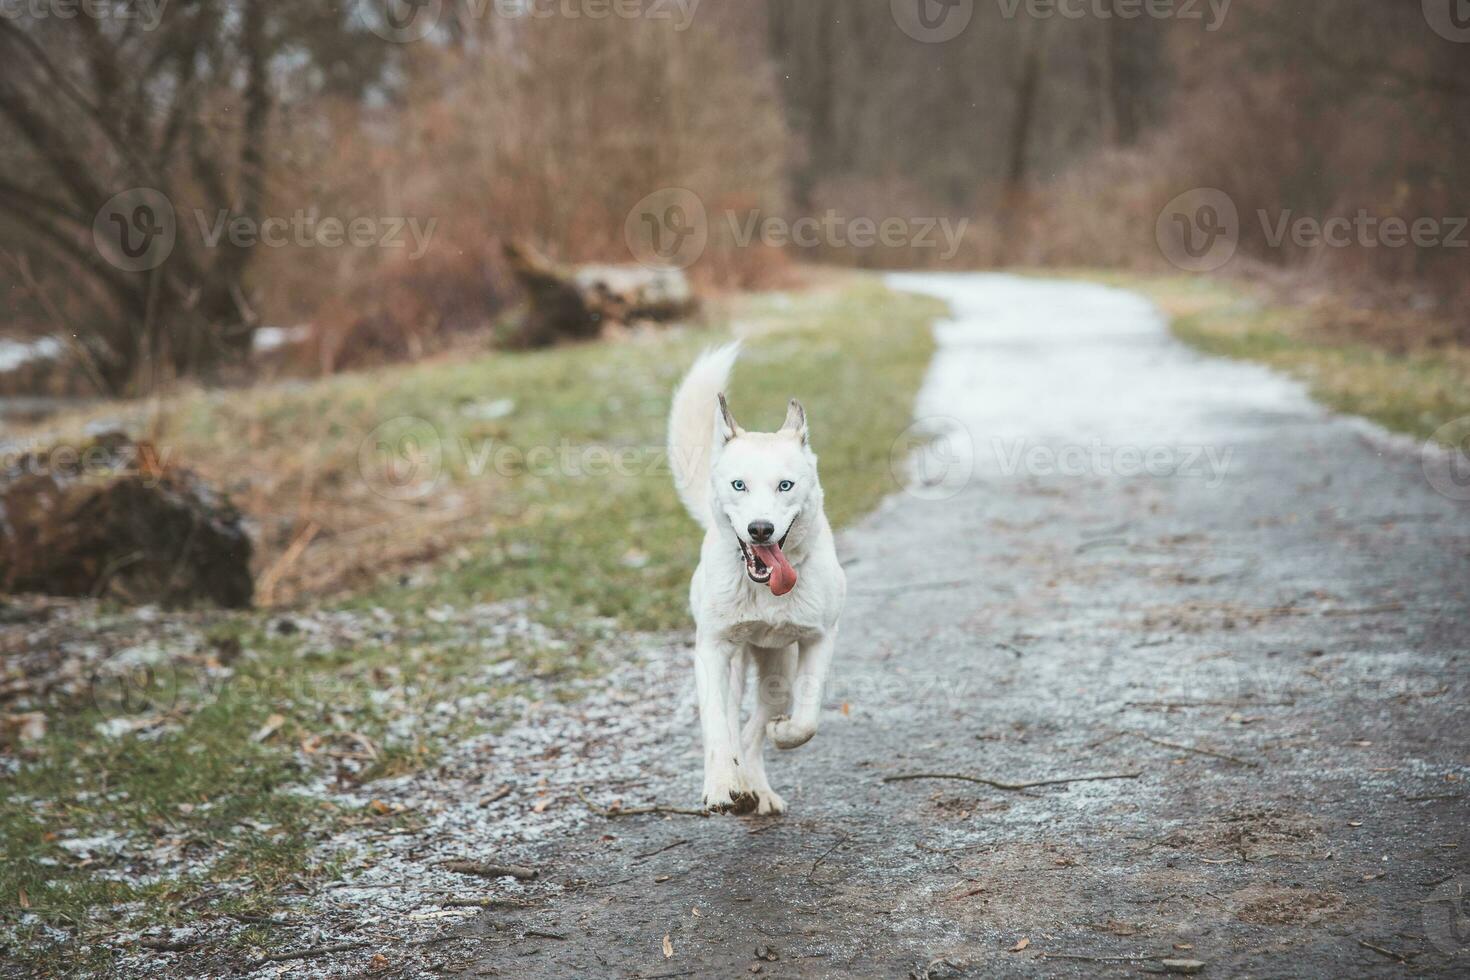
774, 672
806, 693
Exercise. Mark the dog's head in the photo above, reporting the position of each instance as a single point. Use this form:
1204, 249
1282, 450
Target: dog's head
764, 482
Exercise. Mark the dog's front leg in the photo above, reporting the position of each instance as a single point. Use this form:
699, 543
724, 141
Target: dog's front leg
814, 658
723, 786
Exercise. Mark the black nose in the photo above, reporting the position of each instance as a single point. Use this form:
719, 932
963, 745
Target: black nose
761, 530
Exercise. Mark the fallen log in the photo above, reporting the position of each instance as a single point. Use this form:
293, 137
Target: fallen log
583, 302
109, 519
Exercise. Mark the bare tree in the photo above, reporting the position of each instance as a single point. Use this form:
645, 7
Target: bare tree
178, 116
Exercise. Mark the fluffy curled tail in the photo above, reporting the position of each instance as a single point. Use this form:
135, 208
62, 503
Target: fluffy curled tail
692, 426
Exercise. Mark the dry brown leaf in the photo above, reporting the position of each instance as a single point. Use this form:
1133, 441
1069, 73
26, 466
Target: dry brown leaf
1019, 946
271, 726
668, 948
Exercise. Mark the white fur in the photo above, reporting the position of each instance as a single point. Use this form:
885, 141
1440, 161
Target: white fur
737, 621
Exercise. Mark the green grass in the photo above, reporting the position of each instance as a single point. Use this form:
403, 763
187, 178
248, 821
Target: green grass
614, 545
1415, 389
621, 546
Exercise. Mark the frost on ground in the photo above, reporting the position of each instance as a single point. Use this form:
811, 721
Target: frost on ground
493, 798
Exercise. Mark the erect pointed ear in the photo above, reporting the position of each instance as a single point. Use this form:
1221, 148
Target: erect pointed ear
796, 421
726, 428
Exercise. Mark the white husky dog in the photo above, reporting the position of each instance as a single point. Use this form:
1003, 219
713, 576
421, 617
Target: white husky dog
768, 587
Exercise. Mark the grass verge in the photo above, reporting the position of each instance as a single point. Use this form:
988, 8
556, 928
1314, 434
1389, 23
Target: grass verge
200, 791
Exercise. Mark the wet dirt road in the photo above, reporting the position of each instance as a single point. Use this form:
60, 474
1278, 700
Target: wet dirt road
1123, 559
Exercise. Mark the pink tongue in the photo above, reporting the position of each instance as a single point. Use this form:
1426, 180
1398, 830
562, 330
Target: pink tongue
783, 576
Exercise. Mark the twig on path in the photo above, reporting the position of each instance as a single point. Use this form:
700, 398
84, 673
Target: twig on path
262, 920
306, 954
1099, 959
667, 847
543, 934
1096, 543
484, 869
840, 841
1198, 751
1391, 607
167, 945
1383, 952
483, 903
921, 845
496, 796
611, 812
1013, 787
1210, 704
955, 583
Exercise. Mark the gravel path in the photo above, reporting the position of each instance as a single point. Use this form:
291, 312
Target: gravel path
1121, 559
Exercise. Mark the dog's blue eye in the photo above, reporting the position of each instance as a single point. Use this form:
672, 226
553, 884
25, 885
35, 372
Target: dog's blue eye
739, 485
785, 485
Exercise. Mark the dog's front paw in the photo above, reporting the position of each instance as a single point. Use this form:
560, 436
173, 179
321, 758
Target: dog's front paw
787, 734
725, 793
770, 803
